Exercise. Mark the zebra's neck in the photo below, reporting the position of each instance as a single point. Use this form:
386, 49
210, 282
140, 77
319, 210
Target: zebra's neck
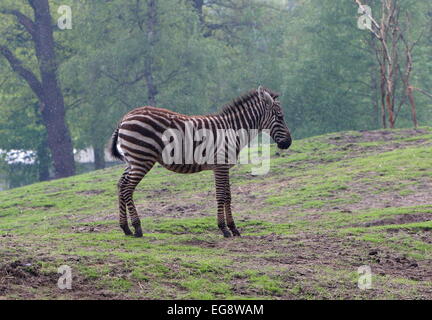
247, 118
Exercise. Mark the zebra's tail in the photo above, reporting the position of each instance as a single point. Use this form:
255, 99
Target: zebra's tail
114, 150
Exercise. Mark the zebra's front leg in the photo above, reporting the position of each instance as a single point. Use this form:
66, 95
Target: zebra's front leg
221, 176
228, 214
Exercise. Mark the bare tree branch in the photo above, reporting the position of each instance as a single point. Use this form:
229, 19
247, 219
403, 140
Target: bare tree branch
25, 73
389, 34
22, 19
138, 78
376, 25
424, 92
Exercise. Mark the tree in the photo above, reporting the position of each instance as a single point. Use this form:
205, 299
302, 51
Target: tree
393, 36
193, 56
47, 88
144, 53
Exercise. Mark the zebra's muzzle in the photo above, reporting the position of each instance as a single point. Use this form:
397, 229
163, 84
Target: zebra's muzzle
285, 144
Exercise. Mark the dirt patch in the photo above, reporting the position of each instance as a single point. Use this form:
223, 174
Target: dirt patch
391, 140
91, 192
386, 262
419, 235
26, 280
91, 229
420, 196
299, 260
23, 273
378, 135
167, 209
101, 216
397, 219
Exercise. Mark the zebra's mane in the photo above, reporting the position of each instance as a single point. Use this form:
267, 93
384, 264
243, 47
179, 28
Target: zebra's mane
241, 102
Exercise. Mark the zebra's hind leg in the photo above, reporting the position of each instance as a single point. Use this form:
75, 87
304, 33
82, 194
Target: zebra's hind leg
133, 177
122, 204
221, 178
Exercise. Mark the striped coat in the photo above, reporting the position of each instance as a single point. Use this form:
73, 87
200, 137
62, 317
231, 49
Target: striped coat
148, 135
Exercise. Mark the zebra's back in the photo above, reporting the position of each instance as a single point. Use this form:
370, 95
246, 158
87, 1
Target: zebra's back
141, 137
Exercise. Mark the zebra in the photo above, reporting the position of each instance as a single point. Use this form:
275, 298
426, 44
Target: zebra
139, 141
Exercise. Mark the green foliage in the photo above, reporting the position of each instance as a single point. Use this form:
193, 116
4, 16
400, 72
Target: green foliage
310, 51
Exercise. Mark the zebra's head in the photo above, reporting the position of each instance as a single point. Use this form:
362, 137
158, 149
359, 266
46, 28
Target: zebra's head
273, 119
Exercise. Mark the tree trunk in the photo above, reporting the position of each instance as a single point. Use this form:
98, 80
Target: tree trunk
388, 32
46, 89
407, 77
374, 100
198, 5
43, 160
413, 106
383, 103
53, 110
99, 157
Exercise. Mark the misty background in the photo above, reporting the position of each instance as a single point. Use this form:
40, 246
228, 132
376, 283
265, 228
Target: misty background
62, 91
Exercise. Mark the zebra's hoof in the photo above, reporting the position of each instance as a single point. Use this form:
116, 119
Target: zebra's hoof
226, 233
126, 230
138, 233
235, 233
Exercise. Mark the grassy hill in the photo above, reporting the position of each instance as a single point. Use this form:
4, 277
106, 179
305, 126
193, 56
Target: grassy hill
329, 205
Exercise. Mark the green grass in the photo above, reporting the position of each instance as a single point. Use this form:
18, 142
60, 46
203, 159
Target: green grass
332, 186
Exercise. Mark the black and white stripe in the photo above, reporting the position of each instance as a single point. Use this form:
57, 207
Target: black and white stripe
139, 138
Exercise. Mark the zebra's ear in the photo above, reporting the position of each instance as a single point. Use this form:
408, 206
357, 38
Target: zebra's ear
265, 96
